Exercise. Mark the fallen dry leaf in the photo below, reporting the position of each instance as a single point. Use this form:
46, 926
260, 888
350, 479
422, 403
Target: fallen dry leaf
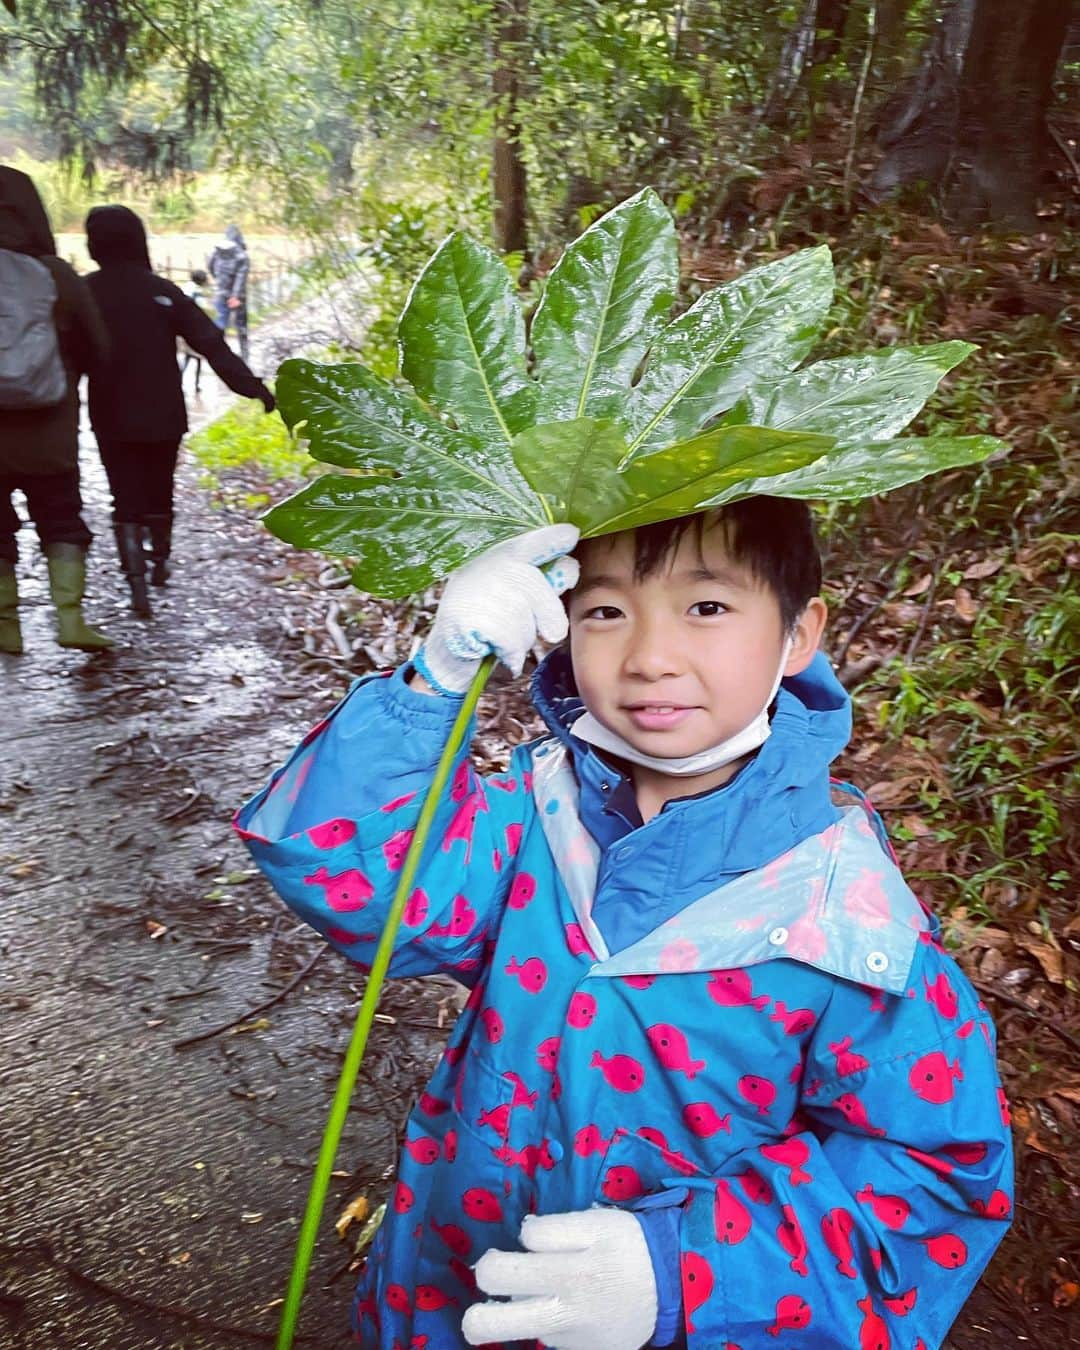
259, 1024
1047, 955
977, 571
964, 604
155, 929
921, 586
354, 1212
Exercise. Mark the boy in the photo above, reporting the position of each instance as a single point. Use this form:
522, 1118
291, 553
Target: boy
716, 1074
195, 291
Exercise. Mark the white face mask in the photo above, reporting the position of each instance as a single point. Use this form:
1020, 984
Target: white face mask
588, 729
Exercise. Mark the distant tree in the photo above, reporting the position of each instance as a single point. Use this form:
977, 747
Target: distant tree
970, 125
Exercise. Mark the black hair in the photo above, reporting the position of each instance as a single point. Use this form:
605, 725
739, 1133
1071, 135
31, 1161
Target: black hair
198, 276
773, 537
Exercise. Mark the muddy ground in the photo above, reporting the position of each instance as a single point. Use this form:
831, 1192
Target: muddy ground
150, 1191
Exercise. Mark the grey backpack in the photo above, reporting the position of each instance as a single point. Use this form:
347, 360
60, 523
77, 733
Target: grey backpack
32, 373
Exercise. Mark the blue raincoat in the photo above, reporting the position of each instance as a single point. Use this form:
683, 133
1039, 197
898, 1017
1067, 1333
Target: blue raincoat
735, 1020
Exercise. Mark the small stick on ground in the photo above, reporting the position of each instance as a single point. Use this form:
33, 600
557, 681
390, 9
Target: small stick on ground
259, 1007
1033, 1013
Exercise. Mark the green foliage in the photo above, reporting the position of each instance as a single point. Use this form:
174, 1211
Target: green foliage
245, 438
442, 478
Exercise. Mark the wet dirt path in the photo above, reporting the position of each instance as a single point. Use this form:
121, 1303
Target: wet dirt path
149, 1194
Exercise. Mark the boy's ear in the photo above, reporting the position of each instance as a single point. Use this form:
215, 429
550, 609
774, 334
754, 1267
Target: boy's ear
806, 636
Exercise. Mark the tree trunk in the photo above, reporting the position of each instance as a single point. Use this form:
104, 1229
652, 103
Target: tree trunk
970, 125
508, 166
813, 41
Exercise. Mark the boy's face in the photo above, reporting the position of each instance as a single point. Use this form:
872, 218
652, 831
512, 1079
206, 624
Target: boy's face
679, 661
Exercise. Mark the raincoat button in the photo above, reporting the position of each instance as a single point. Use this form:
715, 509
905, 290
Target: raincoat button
555, 1149
877, 962
623, 854
605, 786
778, 937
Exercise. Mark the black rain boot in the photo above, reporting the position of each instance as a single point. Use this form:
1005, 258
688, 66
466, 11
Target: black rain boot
160, 528
129, 544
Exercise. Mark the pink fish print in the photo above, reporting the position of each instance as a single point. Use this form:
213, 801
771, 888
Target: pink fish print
791, 1153
946, 1250
622, 1072
847, 1060
700, 1118
789, 1234
462, 920
497, 1119
404, 1199
432, 1106
756, 1187
424, 1150
931, 1078
589, 1140
481, 1205
873, 1333
639, 981
522, 1096
866, 901
333, 833
416, 909
581, 1012
792, 1314
891, 1210
521, 891
855, 1112
547, 1053
503, 784
759, 1092
397, 1297
731, 1218
459, 784
903, 1303
997, 1206
673, 1159
732, 989
396, 849
940, 1165
795, 1022
345, 892
493, 1025
531, 974
464, 823
806, 939
463, 1273
397, 803
681, 954
697, 1285
1003, 1105
942, 995
622, 1183
513, 840
577, 944
836, 1229
450, 1145
430, 1299
966, 1154
672, 1049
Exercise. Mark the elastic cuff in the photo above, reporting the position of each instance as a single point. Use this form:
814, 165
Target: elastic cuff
420, 663
661, 1229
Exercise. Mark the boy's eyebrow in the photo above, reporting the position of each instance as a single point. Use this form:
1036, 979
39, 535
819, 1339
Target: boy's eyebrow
722, 576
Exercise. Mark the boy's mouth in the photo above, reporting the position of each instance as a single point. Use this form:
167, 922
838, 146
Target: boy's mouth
657, 716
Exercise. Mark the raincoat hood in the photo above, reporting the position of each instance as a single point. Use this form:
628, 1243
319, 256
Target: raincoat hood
116, 235
24, 226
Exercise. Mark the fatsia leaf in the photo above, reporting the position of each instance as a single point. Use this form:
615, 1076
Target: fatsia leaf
871, 397
851, 472
402, 534
462, 340
762, 324
605, 300
574, 467
355, 419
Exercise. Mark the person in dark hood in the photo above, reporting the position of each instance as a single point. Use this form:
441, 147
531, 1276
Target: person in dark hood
39, 440
137, 405
228, 265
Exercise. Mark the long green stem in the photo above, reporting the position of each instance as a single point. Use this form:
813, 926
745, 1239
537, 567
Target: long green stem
354, 1056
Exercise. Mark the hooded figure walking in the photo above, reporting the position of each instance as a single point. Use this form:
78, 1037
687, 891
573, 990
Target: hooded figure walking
50, 332
228, 265
137, 404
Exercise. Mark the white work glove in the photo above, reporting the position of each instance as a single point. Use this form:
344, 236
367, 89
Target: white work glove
499, 603
584, 1282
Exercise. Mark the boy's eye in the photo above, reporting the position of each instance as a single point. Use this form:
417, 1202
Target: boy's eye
708, 609
603, 612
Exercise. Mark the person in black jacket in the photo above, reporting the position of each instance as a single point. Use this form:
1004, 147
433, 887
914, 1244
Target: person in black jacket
137, 405
39, 447
229, 265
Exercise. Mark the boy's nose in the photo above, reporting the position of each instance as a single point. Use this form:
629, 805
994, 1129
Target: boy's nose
653, 652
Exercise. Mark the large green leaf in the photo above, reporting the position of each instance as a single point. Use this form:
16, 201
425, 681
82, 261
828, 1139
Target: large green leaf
574, 466
462, 340
403, 535
354, 419
604, 302
871, 397
762, 324
851, 472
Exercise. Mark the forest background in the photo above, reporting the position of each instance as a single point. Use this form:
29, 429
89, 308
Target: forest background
932, 143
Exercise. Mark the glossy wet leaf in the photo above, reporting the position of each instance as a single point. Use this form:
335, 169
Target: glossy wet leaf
402, 534
761, 325
851, 472
605, 300
574, 466
462, 341
870, 397
356, 420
